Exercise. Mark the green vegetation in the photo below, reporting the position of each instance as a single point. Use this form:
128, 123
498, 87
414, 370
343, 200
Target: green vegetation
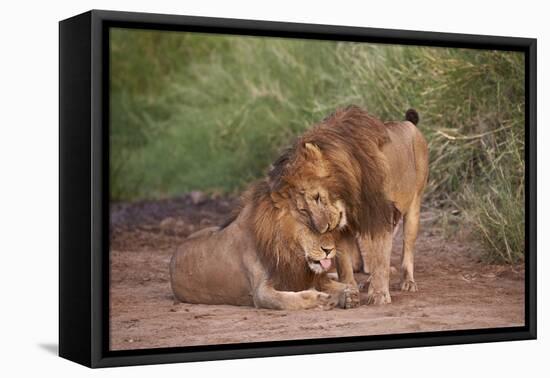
208, 112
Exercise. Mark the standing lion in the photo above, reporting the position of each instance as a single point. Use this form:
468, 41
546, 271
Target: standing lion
373, 172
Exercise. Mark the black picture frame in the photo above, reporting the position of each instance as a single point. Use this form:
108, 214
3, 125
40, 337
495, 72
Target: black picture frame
84, 188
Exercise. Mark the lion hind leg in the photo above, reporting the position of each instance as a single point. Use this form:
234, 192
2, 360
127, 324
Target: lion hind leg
410, 231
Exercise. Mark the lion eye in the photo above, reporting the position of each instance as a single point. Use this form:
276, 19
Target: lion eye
317, 198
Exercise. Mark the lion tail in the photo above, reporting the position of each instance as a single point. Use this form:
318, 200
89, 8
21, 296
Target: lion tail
412, 116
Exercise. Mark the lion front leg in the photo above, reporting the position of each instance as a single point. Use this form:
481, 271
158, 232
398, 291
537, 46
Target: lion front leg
266, 296
347, 249
364, 245
343, 295
379, 263
347, 289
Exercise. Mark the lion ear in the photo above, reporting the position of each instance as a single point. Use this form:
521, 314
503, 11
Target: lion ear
313, 151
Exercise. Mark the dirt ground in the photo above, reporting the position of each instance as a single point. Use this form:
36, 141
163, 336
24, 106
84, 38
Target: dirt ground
456, 290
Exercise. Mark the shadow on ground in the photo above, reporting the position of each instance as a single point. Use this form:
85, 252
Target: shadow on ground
50, 348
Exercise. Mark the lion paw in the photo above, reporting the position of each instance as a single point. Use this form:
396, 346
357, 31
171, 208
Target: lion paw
409, 285
327, 301
317, 299
378, 298
350, 298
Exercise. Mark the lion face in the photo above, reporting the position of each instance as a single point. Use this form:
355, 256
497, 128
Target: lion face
319, 250
307, 179
323, 212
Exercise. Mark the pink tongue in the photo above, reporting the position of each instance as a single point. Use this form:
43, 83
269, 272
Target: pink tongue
326, 263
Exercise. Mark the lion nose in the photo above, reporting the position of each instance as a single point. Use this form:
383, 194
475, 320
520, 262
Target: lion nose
327, 250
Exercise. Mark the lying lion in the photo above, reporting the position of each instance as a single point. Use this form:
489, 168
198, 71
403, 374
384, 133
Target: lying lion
266, 257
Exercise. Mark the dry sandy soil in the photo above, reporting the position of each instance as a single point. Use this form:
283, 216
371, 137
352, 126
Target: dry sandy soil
456, 290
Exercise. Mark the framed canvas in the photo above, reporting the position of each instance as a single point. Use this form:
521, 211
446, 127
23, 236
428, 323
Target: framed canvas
234, 188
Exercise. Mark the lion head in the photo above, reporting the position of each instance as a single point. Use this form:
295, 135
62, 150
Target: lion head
335, 174
292, 250
319, 250
304, 181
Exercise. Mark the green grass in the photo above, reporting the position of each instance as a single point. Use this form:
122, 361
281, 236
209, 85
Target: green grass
208, 112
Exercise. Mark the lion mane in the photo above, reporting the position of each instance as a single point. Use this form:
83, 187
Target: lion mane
357, 168
275, 230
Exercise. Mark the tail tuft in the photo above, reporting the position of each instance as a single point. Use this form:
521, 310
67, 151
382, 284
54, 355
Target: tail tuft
412, 116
